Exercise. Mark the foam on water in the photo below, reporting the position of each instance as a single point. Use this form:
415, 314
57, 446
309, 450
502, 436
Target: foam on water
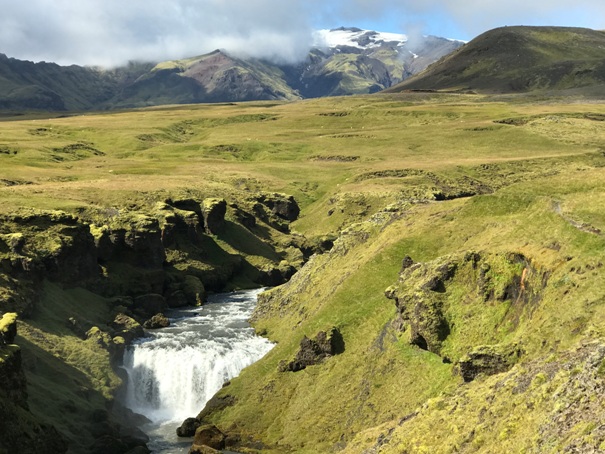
174, 371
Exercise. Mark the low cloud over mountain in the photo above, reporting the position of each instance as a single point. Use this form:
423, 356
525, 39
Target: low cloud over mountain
112, 32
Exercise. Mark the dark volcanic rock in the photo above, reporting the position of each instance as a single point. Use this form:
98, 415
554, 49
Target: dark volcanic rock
202, 449
8, 328
49, 244
108, 444
188, 428
274, 276
137, 242
194, 290
126, 327
214, 214
182, 223
150, 304
488, 360
103, 243
177, 299
244, 218
146, 245
208, 435
156, 322
13, 384
314, 351
406, 263
281, 205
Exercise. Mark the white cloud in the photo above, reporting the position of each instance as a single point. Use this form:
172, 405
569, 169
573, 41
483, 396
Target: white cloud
110, 32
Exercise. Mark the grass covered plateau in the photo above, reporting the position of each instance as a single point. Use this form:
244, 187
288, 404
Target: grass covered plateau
465, 277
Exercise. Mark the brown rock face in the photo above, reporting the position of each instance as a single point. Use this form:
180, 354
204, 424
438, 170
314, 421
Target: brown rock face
188, 428
488, 360
210, 436
315, 351
214, 214
156, 322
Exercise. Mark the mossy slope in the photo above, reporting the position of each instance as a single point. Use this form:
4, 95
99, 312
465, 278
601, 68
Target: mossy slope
509, 193
522, 288
520, 59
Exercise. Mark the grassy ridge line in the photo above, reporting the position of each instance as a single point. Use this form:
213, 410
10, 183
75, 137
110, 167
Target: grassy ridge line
520, 59
382, 379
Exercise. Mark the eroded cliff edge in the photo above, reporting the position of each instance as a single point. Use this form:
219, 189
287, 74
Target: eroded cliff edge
83, 283
494, 334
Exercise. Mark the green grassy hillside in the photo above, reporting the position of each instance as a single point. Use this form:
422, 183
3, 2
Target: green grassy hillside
25, 85
214, 77
520, 59
465, 278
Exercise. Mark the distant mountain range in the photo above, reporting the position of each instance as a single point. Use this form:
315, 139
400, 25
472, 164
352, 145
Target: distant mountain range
343, 61
520, 59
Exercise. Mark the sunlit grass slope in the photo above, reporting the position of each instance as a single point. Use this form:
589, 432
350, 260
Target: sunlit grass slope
506, 196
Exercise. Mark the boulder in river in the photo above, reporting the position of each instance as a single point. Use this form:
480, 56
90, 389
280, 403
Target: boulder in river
156, 322
188, 428
210, 436
126, 327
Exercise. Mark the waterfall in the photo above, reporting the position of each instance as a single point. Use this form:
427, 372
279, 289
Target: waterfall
176, 370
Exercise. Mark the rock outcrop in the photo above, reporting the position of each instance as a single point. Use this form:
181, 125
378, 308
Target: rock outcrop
12, 378
422, 295
214, 214
188, 428
281, 205
127, 328
488, 360
21, 431
8, 328
149, 305
277, 210
156, 322
421, 308
207, 436
315, 351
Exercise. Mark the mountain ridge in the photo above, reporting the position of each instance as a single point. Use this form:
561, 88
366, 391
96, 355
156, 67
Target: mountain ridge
519, 59
344, 61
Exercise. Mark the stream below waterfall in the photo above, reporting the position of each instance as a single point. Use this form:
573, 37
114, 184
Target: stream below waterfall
174, 371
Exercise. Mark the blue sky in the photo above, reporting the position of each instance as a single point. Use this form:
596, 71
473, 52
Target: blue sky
465, 19
112, 32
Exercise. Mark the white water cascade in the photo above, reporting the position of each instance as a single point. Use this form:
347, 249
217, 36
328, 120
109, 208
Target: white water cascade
174, 371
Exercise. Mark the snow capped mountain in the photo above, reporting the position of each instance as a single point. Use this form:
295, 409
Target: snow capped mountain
356, 37
349, 60
343, 61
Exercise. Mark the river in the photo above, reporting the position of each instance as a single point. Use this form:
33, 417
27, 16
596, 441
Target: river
174, 371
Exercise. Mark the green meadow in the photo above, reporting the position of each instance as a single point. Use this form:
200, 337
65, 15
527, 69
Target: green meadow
506, 193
